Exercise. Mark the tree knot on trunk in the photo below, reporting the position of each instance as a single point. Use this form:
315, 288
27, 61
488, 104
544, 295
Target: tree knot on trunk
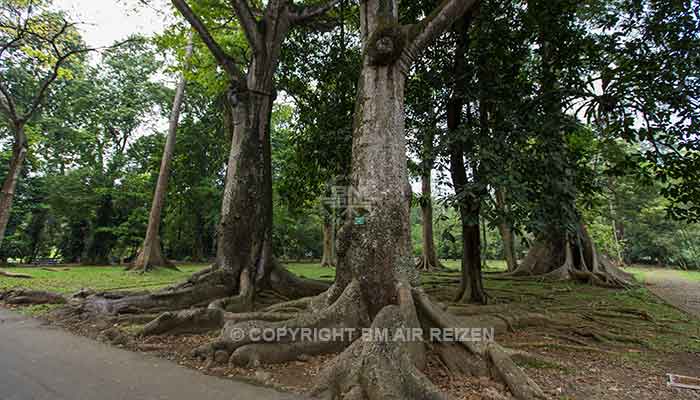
386, 45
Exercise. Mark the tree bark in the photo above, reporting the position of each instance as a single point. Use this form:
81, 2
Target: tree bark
506, 232
469, 204
429, 260
151, 254
471, 288
328, 258
19, 154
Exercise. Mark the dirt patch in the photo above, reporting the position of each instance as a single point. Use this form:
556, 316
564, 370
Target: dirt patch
680, 292
614, 373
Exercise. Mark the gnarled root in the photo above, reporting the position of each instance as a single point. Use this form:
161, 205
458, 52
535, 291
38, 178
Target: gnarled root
561, 261
197, 320
498, 361
425, 265
201, 320
292, 286
242, 342
27, 297
377, 369
199, 290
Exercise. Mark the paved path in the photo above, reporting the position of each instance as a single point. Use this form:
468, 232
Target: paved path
682, 293
43, 363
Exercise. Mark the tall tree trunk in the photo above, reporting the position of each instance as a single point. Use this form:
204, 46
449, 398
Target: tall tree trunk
379, 175
19, 154
506, 232
328, 258
429, 260
151, 254
471, 288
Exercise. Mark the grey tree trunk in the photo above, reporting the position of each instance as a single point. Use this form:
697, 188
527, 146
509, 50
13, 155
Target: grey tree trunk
379, 175
506, 232
151, 254
429, 260
19, 154
328, 258
471, 287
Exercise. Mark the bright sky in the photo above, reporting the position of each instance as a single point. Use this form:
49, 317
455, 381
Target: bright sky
103, 22
107, 21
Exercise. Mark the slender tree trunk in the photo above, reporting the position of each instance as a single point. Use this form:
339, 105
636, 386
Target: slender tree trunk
328, 259
151, 254
19, 154
429, 260
506, 232
471, 288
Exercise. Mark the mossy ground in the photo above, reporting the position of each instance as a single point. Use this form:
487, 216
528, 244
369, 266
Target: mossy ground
679, 332
668, 338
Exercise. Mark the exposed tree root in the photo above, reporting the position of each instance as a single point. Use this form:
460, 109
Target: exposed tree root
15, 275
458, 360
28, 297
499, 363
367, 368
584, 348
212, 287
294, 305
424, 264
347, 312
376, 369
193, 293
196, 320
604, 337
294, 287
562, 260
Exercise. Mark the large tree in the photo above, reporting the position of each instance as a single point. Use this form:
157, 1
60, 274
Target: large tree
376, 283
563, 249
244, 260
36, 44
151, 252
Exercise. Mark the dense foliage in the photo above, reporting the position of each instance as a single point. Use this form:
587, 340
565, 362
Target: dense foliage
574, 110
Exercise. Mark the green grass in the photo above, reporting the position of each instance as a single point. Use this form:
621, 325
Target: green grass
491, 265
312, 271
646, 274
72, 279
682, 333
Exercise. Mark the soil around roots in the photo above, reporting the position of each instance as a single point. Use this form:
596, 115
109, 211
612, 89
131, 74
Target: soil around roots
365, 368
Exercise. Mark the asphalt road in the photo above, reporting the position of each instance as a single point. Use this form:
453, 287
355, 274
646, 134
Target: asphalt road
43, 363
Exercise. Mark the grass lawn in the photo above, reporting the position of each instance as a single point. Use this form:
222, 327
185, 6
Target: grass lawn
72, 279
525, 295
646, 274
314, 271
